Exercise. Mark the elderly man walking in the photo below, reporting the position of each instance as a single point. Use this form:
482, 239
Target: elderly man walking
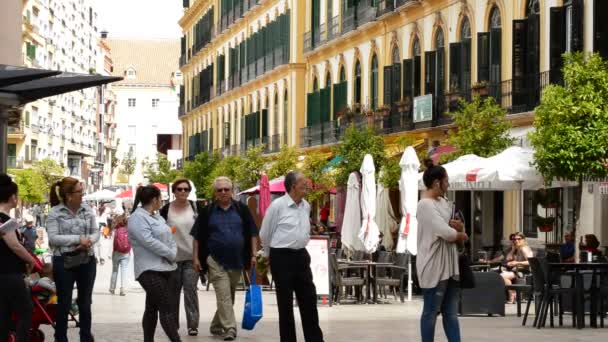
285, 233
225, 243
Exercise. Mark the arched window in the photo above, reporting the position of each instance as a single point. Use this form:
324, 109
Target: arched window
357, 93
374, 82
460, 65
285, 118
412, 71
328, 79
395, 55
526, 57
392, 79
342, 74
435, 74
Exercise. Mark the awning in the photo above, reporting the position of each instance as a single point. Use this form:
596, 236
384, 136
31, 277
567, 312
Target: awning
10, 74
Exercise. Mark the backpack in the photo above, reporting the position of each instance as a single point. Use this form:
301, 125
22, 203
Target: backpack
121, 241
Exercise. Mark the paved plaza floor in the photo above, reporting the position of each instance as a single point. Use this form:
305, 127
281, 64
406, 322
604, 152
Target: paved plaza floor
117, 319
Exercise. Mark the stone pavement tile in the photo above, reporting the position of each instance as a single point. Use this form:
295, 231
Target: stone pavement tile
118, 319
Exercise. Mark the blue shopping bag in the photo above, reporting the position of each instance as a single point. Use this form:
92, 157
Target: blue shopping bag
253, 304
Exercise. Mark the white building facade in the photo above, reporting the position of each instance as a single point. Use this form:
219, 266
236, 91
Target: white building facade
147, 103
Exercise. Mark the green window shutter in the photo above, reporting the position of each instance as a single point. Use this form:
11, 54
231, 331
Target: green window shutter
309, 109
465, 66
455, 65
483, 55
578, 10
557, 42
264, 122
324, 104
388, 84
429, 72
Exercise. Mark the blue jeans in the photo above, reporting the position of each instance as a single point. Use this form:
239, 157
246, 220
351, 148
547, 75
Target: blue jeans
443, 298
84, 277
121, 261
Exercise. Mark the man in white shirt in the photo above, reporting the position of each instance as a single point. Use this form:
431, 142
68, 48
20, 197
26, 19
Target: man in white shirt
284, 234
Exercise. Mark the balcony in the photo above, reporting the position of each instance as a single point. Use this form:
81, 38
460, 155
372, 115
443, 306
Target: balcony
17, 132
365, 14
334, 28
386, 7
349, 20
308, 41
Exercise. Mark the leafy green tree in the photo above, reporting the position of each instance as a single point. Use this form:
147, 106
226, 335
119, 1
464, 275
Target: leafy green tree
315, 169
50, 171
483, 129
571, 123
250, 171
200, 170
353, 148
391, 172
285, 160
128, 164
227, 167
160, 171
32, 185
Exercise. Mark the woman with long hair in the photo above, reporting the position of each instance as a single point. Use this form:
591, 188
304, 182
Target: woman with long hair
517, 262
120, 253
154, 251
72, 230
181, 215
437, 259
14, 262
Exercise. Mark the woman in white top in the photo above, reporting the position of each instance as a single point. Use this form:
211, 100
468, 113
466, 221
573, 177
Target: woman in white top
437, 259
181, 215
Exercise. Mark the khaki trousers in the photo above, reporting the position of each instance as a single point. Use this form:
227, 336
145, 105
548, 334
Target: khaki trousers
224, 283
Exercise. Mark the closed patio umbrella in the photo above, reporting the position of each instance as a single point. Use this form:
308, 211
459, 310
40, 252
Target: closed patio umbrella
264, 195
352, 216
368, 233
385, 216
101, 195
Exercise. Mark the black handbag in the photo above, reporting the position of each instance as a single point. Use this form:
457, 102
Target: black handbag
467, 281
74, 259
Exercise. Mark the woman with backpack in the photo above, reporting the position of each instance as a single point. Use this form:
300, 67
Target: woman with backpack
121, 253
181, 215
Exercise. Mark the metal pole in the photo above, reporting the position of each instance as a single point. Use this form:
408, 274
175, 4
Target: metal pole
3, 140
472, 237
409, 277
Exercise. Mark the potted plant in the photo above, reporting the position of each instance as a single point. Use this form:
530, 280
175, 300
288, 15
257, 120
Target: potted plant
480, 88
452, 98
404, 104
544, 224
383, 110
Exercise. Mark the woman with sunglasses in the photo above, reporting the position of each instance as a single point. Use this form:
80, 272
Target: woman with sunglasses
181, 214
517, 262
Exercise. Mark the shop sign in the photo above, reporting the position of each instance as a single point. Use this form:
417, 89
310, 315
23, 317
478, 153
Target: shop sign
423, 108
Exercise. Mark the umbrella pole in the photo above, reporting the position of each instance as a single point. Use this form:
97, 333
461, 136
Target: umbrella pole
3, 140
472, 237
409, 277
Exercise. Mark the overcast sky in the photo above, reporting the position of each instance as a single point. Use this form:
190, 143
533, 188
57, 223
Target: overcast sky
139, 18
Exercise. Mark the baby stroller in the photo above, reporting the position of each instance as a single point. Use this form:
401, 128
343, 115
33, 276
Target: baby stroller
44, 311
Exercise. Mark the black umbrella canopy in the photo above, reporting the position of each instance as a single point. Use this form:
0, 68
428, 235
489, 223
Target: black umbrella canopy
56, 85
10, 74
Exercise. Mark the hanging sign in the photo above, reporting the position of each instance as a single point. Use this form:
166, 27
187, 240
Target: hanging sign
604, 188
423, 108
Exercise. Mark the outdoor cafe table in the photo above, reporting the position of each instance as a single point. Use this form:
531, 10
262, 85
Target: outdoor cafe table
368, 277
578, 269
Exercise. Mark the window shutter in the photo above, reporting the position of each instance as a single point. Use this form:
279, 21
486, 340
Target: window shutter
336, 99
600, 41
465, 67
495, 55
408, 73
388, 83
324, 104
396, 86
557, 42
210, 144
264, 122
578, 9
309, 109
440, 81
519, 61
533, 45
430, 72
417, 73
456, 71
483, 56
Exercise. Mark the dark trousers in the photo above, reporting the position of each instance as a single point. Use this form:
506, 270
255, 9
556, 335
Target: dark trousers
159, 303
84, 277
291, 273
15, 298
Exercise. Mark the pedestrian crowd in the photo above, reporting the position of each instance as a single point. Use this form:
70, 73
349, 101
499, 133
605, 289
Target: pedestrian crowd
173, 246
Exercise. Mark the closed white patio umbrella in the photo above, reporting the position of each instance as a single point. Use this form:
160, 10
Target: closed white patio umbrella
385, 216
368, 233
352, 216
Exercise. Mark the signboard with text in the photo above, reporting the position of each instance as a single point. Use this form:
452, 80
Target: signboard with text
423, 108
318, 249
604, 188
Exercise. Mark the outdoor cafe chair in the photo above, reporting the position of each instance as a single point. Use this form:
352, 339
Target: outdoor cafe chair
394, 276
382, 272
343, 278
545, 293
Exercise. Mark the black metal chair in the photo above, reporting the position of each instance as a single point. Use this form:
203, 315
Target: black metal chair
545, 293
393, 276
343, 278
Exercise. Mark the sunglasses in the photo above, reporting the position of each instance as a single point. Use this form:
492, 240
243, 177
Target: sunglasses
516, 239
222, 190
182, 189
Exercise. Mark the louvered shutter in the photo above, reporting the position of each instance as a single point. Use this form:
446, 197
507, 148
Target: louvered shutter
210, 144
455, 65
309, 109
600, 41
465, 67
396, 87
264, 122
388, 84
557, 43
324, 105
417, 74
483, 56
495, 55
578, 10
429, 72
440, 81
519, 61
408, 80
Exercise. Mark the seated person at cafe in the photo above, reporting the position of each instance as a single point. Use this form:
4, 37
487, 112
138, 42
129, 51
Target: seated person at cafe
566, 251
517, 262
502, 255
591, 245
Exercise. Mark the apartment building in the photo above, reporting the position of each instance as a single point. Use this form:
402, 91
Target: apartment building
146, 102
397, 65
59, 35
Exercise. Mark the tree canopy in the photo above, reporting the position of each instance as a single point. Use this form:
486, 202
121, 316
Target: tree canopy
199, 171
160, 170
284, 161
355, 144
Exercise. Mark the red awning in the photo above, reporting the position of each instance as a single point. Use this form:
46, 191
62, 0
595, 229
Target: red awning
439, 151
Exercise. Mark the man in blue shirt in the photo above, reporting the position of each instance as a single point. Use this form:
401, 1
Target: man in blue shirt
225, 244
566, 251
